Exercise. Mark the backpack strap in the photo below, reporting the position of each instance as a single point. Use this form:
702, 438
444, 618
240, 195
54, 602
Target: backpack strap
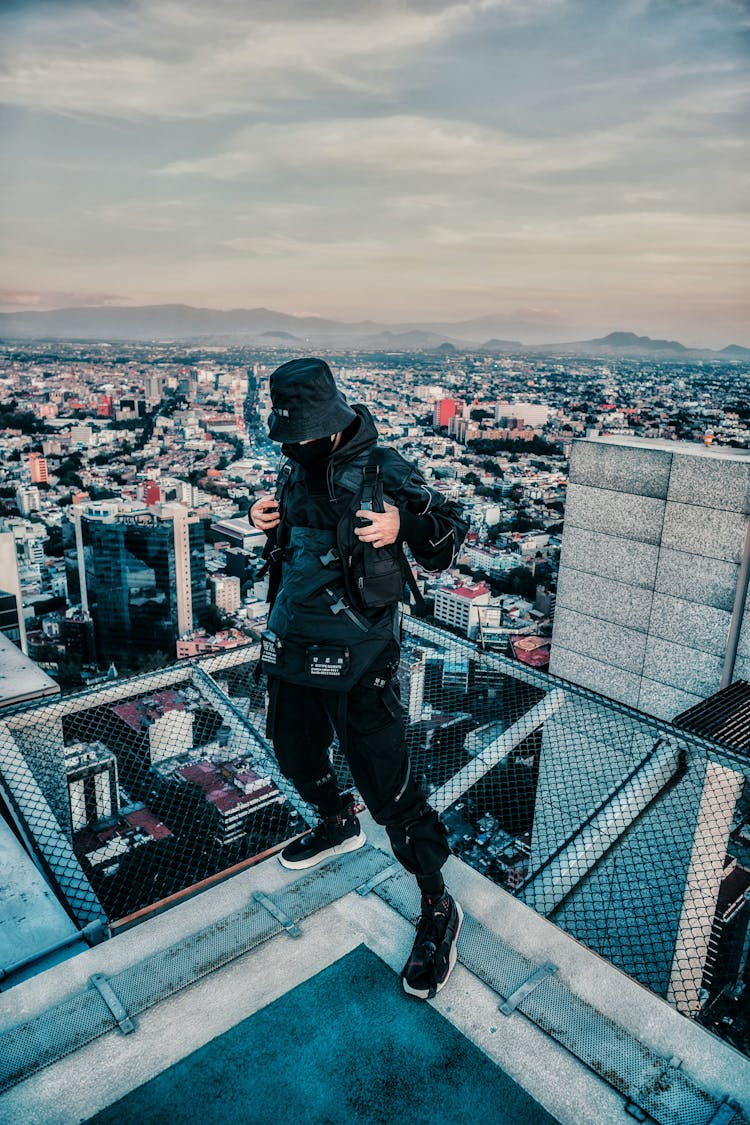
420, 605
282, 480
371, 496
273, 551
372, 500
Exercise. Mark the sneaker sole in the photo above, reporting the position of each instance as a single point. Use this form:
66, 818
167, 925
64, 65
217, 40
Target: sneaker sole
351, 845
424, 993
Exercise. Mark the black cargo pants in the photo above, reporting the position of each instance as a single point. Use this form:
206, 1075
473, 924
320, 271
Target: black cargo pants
370, 726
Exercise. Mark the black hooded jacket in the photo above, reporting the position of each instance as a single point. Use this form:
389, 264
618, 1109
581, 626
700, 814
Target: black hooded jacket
315, 600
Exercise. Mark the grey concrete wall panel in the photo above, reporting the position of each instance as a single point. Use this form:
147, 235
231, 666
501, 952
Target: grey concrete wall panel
609, 556
680, 667
696, 578
586, 753
700, 627
596, 675
712, 532
615, 513
603, 598
663, 701
622, 468
612, 644
711, 482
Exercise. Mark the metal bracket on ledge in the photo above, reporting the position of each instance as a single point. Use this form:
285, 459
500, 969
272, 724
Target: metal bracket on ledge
113, 1002
725, 1113
376, 880
508, 1006
289, 925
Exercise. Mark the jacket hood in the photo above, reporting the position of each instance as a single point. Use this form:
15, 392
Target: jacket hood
364, 437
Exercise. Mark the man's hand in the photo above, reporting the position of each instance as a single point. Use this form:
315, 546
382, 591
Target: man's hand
264, 514
383, 527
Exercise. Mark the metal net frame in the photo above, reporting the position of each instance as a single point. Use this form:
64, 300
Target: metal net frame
622, 829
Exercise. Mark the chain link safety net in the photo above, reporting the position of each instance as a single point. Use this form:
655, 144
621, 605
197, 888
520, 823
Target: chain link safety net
627, 832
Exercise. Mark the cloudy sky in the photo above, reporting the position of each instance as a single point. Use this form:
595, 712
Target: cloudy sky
569, 166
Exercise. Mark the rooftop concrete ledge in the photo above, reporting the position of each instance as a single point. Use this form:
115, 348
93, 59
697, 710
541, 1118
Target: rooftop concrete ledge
108, 1068
691, 448
20, 678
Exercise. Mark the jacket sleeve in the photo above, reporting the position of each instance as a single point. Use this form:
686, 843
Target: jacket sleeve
431, 524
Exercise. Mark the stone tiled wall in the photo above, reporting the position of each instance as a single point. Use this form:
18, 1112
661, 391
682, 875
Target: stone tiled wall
651, 554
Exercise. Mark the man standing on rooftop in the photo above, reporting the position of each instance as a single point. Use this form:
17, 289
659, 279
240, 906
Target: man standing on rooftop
344, 507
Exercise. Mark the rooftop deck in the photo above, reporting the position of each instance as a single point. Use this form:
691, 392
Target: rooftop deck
257, 1014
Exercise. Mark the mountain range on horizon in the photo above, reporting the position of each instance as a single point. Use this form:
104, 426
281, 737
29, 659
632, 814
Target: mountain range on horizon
186, 323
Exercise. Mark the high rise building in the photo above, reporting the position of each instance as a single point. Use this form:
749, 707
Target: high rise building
226, 591
141, 574
10, 619
411, 678
153, 386
28, 500
443, 411
151, 493
38, 469
77, 635
12, 609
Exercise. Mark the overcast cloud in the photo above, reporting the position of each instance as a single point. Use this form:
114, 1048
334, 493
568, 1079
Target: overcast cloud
570, 166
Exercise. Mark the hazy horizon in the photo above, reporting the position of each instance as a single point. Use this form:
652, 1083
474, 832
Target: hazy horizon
565, 167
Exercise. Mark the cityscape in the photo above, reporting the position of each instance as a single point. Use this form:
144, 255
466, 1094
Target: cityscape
127, 476
113, 461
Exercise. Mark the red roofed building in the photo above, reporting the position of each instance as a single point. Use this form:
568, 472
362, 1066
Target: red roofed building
458, 606
106, 848
234, 791
149, 730
531, 650
140, 713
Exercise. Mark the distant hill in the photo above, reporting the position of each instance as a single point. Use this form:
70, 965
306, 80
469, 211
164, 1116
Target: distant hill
629, 340
168, 322
149, 323
626, 343
412, 340
502, 346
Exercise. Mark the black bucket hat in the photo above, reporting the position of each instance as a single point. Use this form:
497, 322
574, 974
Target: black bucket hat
307, 404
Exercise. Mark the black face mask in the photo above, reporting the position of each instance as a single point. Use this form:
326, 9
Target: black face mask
311, 452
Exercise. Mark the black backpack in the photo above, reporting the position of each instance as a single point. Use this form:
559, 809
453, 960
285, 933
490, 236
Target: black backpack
374, 577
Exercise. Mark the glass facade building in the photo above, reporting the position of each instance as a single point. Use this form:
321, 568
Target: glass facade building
141, 575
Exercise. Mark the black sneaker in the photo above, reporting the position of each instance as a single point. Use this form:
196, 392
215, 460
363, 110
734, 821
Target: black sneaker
434, 954
336, 835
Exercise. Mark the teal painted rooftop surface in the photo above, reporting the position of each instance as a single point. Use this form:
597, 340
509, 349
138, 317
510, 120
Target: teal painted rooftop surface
346, 1045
